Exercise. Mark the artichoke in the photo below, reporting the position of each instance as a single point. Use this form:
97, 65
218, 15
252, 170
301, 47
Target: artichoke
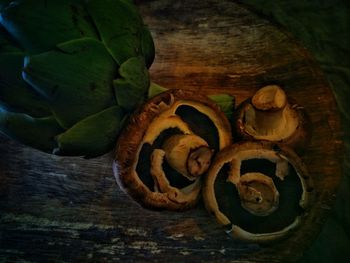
70, 72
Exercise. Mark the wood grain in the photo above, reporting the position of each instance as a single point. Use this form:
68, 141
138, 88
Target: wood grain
70, 209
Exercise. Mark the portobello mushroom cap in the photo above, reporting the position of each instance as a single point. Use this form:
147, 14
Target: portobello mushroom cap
271, 116
145, 127
258, 194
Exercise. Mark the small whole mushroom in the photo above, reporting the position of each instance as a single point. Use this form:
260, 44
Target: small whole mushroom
162, 154
270, 116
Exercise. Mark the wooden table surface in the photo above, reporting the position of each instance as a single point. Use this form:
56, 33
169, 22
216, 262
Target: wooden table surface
55, 209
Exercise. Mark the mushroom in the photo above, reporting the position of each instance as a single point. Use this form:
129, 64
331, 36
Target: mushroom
269, 115
161, 156
262, 209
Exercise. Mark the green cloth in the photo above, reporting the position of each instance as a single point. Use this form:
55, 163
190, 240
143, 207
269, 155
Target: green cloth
323, 27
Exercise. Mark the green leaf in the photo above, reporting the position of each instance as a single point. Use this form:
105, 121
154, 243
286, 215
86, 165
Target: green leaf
119, 25
92, 136
155, 89
76, 78
226, 103
15, 94
40, 25
35, 132
147, 46
131, 88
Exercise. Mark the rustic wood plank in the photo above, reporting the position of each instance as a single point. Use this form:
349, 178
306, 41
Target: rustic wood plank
70, 209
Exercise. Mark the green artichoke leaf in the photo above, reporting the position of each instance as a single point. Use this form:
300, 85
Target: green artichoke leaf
131, 88
226, 102
38, 133
92, 136
119, 25
15, 94
155, 89
76, 78
147, 46
40, 25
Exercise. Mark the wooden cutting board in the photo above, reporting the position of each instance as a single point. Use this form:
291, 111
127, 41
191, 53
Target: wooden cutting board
71, 209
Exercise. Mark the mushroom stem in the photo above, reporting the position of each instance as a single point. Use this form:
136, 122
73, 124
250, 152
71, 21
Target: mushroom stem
162, 184
269, 104
258, 194
188, 154
249, 194
270, 98
267, 122
199, 161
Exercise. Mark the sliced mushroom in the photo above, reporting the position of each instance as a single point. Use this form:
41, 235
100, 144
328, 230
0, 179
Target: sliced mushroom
261, 213
269, 115
185, 153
